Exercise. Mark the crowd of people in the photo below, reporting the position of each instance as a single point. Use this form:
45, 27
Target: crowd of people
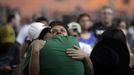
57, 47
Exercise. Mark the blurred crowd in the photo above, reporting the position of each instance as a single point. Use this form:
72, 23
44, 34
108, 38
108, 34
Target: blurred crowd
17, 33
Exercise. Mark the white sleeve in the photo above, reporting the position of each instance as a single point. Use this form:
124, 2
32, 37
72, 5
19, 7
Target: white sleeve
22, 35
86, 48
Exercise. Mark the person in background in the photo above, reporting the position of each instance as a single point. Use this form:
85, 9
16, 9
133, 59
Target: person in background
131, 37
74, 26
123, 24
21, 38
23, 33
85, 47
87, 36
75, 31
14, 19
132, 59
9, 51
110, 55
106, 21
43, 20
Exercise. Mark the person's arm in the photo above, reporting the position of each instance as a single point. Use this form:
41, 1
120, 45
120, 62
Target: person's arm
23, 50
131, 56
34, 68
79, 54
131, 60
34, 64
88, 66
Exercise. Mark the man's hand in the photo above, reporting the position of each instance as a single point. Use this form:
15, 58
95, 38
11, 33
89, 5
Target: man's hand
7, 69
37, 45
77, 53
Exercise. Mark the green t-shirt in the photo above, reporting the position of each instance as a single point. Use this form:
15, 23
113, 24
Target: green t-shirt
25, 63
54, 60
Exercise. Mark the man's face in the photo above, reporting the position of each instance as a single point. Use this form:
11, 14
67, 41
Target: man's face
16, 21
107, 15
75, 34
123, 25
59, 30
85, 22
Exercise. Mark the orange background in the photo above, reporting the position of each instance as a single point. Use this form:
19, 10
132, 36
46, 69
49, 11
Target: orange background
29, 7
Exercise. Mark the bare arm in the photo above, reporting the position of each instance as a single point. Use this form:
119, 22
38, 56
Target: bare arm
131, 60
88, 66
34, 64
34, 68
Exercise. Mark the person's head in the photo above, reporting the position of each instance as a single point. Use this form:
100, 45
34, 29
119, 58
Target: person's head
116, 34
75, 34
7, 34
85, 21
59, 28
14, 19
45, 34
74, 26
123, 25
37, 30
43, 20
107, 15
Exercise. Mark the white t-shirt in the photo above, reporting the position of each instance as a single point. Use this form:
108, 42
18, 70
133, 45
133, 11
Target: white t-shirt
22, 34
131, 32
85, 47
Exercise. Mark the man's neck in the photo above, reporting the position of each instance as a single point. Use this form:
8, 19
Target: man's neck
108, 24
85, 31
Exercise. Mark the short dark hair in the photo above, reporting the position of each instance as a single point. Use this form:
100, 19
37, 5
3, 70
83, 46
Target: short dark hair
44, 32
119, 20
42, 18
59, 23
10, 17
106, 7
83, 15
55, 23
116, 34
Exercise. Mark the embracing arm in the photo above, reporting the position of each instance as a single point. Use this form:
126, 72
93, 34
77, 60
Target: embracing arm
88, 66
34, 68
34, 64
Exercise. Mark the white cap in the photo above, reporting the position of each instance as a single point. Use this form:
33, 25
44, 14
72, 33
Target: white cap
74, 25
35, 30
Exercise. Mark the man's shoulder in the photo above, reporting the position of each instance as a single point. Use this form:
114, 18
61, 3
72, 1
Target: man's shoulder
96, 25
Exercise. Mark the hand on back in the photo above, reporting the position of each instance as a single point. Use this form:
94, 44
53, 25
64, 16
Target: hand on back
77, 53
37, 45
